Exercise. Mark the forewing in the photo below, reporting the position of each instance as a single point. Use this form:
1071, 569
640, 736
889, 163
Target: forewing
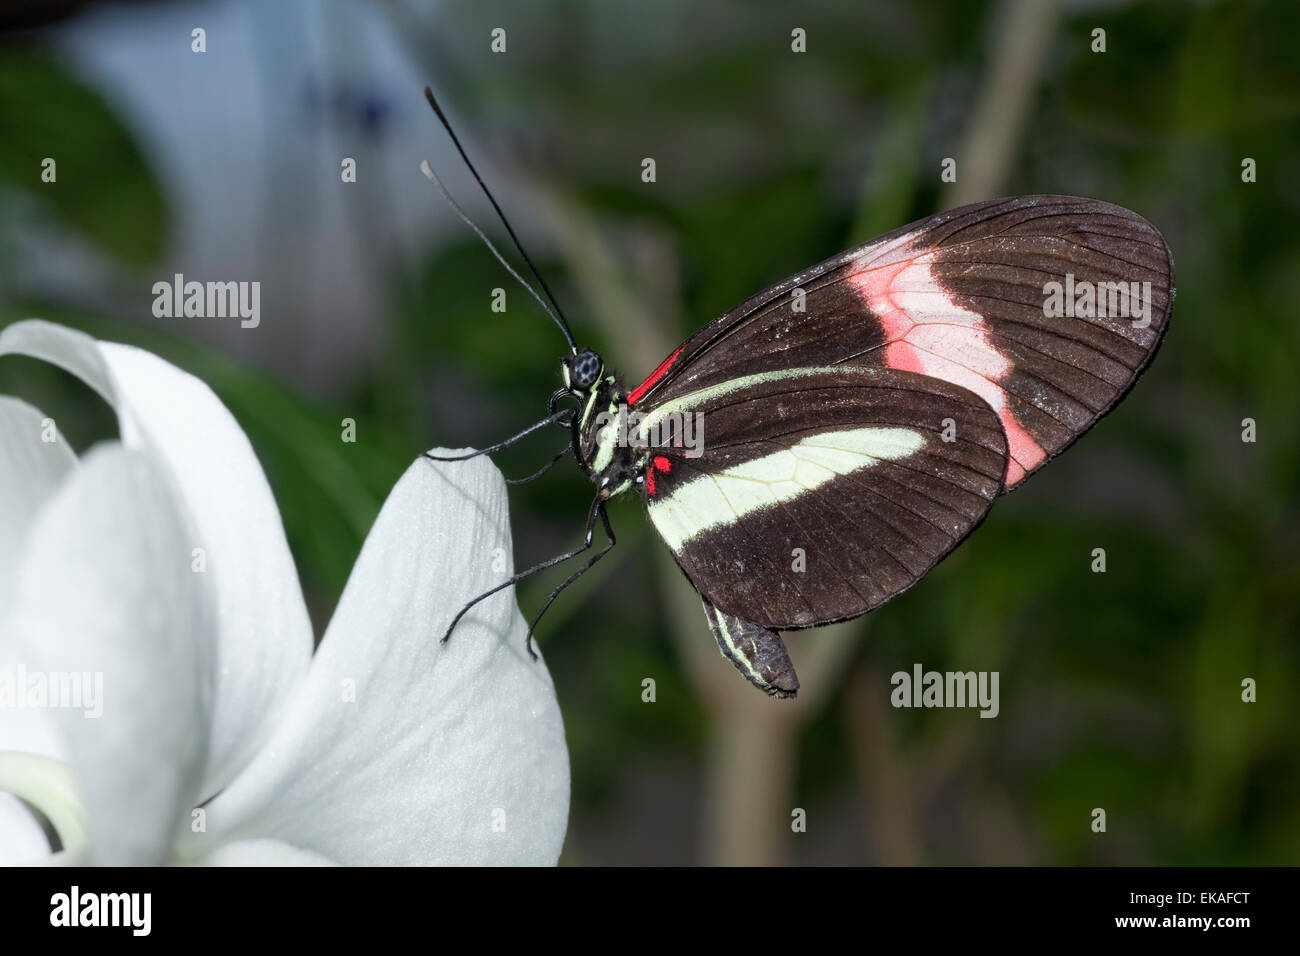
965, 296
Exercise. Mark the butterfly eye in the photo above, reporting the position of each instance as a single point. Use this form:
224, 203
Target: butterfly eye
586, 369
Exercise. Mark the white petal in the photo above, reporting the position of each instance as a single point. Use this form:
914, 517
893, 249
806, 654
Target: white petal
30, 471
400, 750
265, 637
22, 729
264, 853
21, 838
105, 593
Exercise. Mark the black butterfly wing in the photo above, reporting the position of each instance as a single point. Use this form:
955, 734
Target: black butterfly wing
820, 493
964, 296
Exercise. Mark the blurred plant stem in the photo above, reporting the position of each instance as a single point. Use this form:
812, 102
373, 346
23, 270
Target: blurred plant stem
753, 754
897, 789
890, 808
1023, 35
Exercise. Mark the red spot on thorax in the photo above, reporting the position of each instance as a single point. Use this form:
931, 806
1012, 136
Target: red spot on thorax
638, 393
658, 463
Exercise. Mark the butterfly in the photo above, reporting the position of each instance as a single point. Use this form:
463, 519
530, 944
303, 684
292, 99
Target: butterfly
816, 450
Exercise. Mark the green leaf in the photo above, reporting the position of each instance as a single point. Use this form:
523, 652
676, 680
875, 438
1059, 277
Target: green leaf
103, 190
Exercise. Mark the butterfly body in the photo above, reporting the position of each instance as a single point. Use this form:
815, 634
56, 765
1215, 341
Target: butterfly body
615, 466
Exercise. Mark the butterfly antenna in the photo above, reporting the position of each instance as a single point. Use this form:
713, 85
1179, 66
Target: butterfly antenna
428, 172
553, 310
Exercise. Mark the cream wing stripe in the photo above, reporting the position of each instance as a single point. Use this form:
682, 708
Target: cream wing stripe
702, 503
700, 396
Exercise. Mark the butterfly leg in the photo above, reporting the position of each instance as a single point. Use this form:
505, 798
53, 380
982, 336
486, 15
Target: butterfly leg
609, 533
597, 510
562, 417
758, 652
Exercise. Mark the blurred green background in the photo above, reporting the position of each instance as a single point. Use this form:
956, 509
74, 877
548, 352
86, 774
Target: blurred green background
1119, 690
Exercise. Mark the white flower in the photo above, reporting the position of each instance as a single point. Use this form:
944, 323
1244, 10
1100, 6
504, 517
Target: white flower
384, 747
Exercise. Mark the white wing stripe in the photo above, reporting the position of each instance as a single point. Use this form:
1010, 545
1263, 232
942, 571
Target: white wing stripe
702, 503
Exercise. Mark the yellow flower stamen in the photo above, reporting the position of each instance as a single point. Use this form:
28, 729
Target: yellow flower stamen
48, 786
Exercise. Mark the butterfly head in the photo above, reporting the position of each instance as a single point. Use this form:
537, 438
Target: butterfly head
582, 370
